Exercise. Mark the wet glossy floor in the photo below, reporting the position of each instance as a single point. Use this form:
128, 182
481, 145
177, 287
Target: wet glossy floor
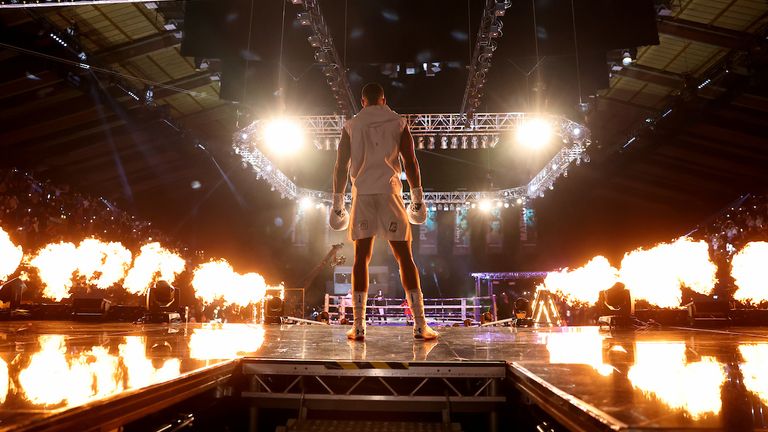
673, 378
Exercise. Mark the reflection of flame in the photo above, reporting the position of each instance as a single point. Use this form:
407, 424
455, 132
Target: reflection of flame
217, 280
656, 274
661, 370
50, 379
10, 255
56, 266
583, 284
151, 261
750, 272
582, 346
3, 381
141, 371
102, 264
226, 342
53, 377
755, 369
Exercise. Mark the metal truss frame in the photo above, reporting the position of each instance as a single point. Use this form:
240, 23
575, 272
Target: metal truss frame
509, 275
327, 55
576, 136
10, 4
489, 29
404, 386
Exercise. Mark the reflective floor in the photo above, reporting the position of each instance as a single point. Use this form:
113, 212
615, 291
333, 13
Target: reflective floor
674, 378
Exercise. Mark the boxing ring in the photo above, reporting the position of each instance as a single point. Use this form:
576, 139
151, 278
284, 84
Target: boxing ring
380, 310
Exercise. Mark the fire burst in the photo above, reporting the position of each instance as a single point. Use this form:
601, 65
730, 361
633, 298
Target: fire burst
656, 274
56, 265
583, 284
100, 264
153, 261
10, 255
218, 280
750, 273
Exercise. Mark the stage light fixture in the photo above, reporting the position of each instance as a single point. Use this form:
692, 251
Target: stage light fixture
506, 205
11, 292
499, 204
283, 136
315, 41
534, 133
305, 203
615, 306
273, 306
626, 58
485, 205
304, 18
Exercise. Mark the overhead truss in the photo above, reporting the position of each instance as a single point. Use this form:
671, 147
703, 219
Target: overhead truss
327, 56
6, 4
576, 139
482, 53
433, 131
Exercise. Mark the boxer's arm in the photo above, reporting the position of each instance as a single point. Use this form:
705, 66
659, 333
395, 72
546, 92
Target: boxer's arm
341, 170
410, 163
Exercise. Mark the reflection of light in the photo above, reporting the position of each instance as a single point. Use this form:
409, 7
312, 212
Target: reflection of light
54, 377
141, 371
51, 379
227, 342
582, 285
755, 369
750, 272
3, 380
582, 346
283, 136
10, 255
661, 370
656, 274
534, 132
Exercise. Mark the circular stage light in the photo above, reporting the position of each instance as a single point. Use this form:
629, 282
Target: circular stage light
485, 205
534, 133
283, 136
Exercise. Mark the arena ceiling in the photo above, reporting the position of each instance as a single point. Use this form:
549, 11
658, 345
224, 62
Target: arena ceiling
83, 127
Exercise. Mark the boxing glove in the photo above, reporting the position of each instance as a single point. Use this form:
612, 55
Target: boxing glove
417, 210
338, 217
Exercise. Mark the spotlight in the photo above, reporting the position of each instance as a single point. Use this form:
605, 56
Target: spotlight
283, 136
273, 306
304, 19
626, 58
305, 203
315, 41
616, 307
431, 143
444, 143
499, 204
534, 133
323, 57
420, 143
10, 292
485, 205
576, 132
506, 205
519, 201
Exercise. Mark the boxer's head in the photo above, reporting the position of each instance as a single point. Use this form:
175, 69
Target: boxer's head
373, 94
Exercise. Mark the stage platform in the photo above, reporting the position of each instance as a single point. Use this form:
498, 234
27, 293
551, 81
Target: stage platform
79, 376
